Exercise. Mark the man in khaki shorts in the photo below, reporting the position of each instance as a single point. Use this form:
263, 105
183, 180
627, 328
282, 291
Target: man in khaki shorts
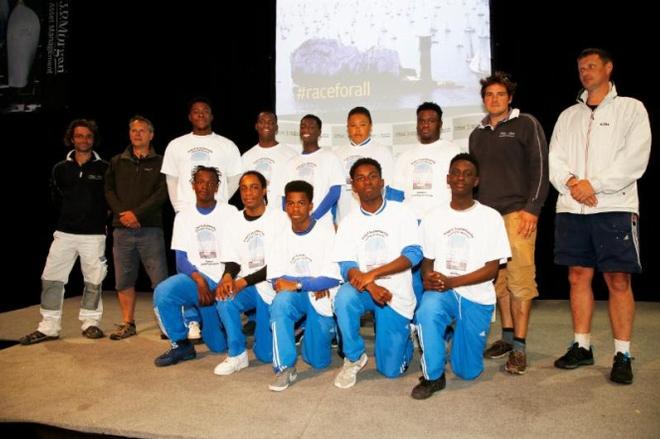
513, 155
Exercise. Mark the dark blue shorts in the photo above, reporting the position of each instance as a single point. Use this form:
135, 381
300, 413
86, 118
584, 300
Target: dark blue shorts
606, 241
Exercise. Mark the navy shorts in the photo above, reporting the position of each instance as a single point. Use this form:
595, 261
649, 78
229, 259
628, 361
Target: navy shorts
606, 241
132, 245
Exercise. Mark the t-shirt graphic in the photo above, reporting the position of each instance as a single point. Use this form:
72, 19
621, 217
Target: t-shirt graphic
206, 242
423, 175
301, 265
264, 165
306, 172
348, 163
458, 243
255, 242
375, 249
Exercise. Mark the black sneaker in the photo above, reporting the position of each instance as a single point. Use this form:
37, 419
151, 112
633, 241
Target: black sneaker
622, 369
575, 357
426, 388
299, 333
181, 351
36, 337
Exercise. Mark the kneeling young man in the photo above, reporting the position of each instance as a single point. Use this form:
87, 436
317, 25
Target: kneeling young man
376, 246
244, 288
197, 241
304, 278
464, 244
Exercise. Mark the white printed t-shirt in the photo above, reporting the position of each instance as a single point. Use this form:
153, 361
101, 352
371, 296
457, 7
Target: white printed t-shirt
271, 163
349, 154
246, 243
376, 239
462, 241
186, 152
303, 256
421, 173
201, 237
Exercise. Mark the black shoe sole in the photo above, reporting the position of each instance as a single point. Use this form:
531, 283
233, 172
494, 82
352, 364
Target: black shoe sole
30, 342
589, 362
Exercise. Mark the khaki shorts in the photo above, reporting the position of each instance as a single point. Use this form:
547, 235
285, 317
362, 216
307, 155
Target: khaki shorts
519, 277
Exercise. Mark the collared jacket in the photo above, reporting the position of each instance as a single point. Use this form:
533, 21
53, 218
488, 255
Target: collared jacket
77, 190
513, 163
136, 184
609, 146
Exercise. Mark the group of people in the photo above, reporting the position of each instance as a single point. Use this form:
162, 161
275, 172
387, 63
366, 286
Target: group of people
428, 242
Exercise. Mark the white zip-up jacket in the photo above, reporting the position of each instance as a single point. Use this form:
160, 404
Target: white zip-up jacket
609, 146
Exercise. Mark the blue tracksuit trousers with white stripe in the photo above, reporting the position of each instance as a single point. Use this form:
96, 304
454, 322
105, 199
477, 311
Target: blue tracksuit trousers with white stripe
436, 312
287, 308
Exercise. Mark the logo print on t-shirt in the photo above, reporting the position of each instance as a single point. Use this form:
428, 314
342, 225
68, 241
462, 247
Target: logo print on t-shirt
302, 265
306, 172
256, 249
376, 251
265, 166
458, 249
206, 243
422, 175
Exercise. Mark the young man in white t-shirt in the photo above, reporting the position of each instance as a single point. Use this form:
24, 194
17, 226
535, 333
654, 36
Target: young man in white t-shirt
305, 279
420, 171
198, 242
464, 244
318, 166
376, 246
200, 147
358, 127
268, 156
247, 236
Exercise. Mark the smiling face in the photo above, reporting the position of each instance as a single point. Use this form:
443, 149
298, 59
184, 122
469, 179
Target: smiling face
462, 178
266, 127
82, 139
496, 100
309, 131
252, 192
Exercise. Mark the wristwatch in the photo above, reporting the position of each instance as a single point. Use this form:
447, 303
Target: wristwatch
298, 286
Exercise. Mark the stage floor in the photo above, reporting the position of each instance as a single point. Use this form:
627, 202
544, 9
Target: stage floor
112, 387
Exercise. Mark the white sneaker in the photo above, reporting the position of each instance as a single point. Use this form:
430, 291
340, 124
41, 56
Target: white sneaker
194, 332
348, 374
232, 364
283, 379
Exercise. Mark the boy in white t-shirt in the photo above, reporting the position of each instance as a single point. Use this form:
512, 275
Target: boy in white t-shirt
247, 237
197, 241
376, 246
464, 244
305, 280
269, 157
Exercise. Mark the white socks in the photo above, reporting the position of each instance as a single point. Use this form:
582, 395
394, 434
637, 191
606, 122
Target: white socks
583, 340
621, 346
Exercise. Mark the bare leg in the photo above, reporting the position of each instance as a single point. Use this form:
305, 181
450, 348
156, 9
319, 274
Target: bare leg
520, 309
582, 298
621, 305
127, 304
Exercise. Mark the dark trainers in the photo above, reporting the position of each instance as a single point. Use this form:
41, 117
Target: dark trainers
36, 337
124, 330
517, 363
498, 349
93, 332
426, 388
299, 334
622, 369
575, 357
181, 351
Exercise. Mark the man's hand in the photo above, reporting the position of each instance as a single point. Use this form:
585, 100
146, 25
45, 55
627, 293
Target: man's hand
379, 294
129, 220
225, 289
284, 285
528, 223
582, 192
360, 280
436, 281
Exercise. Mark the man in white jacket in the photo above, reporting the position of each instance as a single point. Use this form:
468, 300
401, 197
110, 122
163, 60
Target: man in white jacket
599, 149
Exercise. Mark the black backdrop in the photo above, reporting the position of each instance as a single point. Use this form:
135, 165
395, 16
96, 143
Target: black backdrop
150, 58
